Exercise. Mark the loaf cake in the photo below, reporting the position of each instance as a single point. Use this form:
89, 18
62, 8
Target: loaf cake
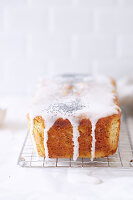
75, 116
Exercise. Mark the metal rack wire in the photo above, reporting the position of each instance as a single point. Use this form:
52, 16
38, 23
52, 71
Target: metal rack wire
123, 158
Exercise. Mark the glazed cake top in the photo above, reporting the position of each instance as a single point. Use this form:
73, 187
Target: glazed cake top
74, 96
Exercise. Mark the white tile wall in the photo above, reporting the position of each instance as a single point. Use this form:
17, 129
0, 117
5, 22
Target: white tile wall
114, 20
46, 37
125, 46
73, 20
96, 46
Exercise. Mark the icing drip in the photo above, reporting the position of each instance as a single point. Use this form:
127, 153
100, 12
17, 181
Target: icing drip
75, 140
45, 142
93, 123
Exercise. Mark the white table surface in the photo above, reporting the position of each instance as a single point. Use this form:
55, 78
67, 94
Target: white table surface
26, 183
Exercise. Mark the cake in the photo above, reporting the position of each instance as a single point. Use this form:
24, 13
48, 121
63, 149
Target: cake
75, 116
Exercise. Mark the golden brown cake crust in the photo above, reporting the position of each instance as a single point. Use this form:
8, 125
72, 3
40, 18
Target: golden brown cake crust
60, 143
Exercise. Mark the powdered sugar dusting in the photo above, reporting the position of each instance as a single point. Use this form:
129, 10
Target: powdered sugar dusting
74, 97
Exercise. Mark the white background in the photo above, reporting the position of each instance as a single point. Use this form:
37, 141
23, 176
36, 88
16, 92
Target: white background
46, 37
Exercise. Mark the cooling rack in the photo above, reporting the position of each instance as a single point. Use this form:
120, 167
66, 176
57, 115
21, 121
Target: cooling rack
123, 158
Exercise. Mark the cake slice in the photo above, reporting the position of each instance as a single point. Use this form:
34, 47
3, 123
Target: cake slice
75, 116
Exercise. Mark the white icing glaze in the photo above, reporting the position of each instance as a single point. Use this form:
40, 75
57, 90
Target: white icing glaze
46, 129
75, 138
73, 98
93, 139
48, 125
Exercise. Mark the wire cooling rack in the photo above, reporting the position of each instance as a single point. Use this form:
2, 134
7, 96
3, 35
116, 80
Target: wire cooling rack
123, 158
